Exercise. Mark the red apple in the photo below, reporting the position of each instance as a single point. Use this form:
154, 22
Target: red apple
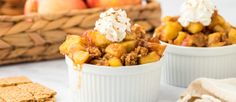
112, 3
31, 6
52, 6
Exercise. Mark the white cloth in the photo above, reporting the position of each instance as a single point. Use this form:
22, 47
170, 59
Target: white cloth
210, 90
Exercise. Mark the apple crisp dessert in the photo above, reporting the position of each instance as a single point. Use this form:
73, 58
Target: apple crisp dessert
217, 33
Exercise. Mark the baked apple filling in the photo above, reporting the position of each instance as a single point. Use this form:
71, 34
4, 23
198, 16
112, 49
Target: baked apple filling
110, 48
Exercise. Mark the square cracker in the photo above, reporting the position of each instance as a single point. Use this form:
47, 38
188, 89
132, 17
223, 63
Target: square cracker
52, 99
15, 94
1, 100
11, 81
39, 92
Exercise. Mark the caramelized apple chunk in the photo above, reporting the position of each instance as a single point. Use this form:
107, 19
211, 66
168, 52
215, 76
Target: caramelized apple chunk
218, 28
151, 57
129, 45
98, 39
214, 38
232, 36
117, 50
171, 31
80, 57
227, 27
130, 36
195, 28
181, 36
115, 62
158, 31
158, 48
72, 43
217, 20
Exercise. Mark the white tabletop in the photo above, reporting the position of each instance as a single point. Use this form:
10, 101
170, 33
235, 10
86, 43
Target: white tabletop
53, 74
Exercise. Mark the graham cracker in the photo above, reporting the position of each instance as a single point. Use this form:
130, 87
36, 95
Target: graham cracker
22, 89
52, 99
1, 100
15, 94
11, 81
39, 92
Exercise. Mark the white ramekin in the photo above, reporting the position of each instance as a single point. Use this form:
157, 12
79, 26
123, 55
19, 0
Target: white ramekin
123, 84
182, 64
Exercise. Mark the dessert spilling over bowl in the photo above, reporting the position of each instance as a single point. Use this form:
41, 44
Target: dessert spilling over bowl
123, 84
114, 62
200, 44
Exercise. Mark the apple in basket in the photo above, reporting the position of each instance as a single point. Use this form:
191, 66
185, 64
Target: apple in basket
52, 6
111, 3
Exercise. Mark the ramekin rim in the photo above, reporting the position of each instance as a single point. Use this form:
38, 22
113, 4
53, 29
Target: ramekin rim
199, 48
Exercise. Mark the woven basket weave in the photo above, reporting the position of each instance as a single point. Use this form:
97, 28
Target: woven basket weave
37, 37
12, 7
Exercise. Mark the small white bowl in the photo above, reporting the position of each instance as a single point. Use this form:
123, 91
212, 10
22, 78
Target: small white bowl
182, 64
138, 83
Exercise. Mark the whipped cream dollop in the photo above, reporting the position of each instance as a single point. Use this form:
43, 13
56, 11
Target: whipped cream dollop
197, 11
113, 24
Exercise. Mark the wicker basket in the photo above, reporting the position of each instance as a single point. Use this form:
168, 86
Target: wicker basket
37, 37
11, 7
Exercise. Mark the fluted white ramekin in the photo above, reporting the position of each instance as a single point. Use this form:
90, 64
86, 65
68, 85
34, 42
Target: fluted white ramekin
122, 84
182, 64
